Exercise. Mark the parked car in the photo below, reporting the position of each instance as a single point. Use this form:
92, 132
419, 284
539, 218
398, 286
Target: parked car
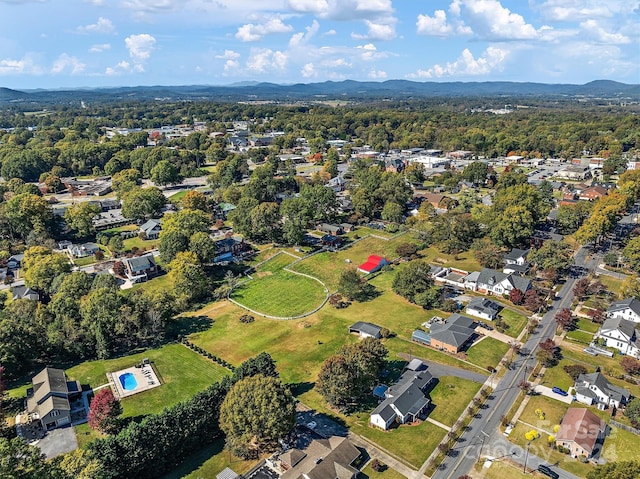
546, 470
557, 390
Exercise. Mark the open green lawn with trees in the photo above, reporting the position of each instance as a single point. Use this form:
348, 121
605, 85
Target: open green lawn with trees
327, 266
388, 473
450, 397
182, 372
275, 291
487, 352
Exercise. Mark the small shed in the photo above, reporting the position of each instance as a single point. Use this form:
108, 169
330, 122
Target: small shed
374, 263
366, 330
420, 336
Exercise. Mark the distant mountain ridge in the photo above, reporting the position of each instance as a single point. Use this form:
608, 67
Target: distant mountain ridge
342, 90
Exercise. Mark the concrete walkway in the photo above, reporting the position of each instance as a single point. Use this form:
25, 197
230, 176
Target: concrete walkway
439, 424
503, 338
384, 456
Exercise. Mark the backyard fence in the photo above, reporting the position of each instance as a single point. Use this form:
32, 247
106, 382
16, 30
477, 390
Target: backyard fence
630, 429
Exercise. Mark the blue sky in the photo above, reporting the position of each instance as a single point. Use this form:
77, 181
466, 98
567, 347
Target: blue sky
74, 43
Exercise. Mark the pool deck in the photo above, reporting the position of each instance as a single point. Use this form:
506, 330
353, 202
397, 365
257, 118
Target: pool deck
145, 376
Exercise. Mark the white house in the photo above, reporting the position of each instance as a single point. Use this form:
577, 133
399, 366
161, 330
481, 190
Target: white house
516, 256
483, 308
404, 401
628, 309
497, 282
595, 389
620, 334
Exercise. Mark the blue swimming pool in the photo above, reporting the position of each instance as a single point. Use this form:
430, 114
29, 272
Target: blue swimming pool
128, 381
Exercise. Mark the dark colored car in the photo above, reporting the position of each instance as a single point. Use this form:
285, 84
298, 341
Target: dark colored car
557, 390
548, 472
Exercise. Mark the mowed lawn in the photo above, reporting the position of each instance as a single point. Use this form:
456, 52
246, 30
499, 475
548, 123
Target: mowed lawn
450, 398
327, 266
487, 352
183, 373
274, 291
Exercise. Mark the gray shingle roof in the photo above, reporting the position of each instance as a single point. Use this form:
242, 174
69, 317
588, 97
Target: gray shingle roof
516, 254
605, 386
366, 328
628, 303
140, 263
456, 331
484, 305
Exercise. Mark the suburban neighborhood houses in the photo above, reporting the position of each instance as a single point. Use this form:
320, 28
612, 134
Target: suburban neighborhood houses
317, 291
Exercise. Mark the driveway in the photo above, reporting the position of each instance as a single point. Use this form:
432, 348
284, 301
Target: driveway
503, 338
58, 441
325, 426
437, 370
546, 391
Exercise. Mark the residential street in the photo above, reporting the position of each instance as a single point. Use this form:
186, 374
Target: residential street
468, 448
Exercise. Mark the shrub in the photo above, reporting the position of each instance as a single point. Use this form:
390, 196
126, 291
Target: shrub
378, 466
247, 318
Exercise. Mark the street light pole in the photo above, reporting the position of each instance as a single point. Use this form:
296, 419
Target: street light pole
526, 456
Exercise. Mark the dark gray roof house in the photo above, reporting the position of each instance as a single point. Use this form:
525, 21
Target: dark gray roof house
454, 334
405, 400
24, 292
366, 330
628, 308
483, 308
594, 388
139, 268
516, 256
151, 228
49, 397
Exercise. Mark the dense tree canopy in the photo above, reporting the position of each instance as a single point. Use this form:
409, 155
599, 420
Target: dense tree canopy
257, 412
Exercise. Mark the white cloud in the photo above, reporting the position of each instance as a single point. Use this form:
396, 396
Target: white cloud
369, 52
120, 68
100, 47
491, 21
592, 29
466, 65
265, 59
253, 32
377, 74
337, 63
329, 32
438, 26
308, 71
344, 9
26, 65
103, 25
377, 31
66, 62
578, 10
302, 38
229, 55
231, 65
140, 46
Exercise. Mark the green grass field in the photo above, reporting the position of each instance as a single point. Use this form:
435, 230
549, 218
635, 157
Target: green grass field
515, 322
274, 291
182, 371
487, 352
139, 243
369, 473
582, 337
620, 445
451, 396
208, 462
327, 266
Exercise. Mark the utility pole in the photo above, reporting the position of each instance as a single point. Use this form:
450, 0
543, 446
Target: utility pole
484, 436
526, 456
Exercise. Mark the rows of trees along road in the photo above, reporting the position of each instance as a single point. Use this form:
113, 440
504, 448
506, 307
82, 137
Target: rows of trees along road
70, 141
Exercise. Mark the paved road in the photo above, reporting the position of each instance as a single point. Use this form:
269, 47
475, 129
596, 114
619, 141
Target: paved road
483, 428
437, 370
